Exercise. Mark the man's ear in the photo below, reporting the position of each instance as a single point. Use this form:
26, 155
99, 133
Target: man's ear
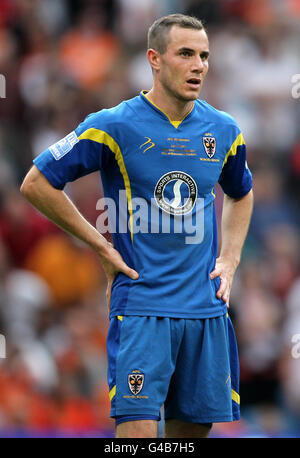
153, 58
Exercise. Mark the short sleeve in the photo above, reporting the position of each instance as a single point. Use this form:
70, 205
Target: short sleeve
236, 178
76, 155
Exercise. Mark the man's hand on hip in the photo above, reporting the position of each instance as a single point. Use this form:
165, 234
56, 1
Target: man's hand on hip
224, 269
113, 263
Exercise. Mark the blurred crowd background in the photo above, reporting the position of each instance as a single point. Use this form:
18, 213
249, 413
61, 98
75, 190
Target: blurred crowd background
63, 59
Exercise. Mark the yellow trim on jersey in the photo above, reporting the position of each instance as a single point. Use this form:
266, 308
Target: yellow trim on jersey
235, 396
120, 317
232, 152
176, 124
100, 136
112, 392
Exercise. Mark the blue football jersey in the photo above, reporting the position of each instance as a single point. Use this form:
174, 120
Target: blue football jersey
158, 179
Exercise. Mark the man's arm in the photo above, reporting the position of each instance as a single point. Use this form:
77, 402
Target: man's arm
57, 207
235, 223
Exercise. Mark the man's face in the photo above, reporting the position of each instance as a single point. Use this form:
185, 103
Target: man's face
184, 65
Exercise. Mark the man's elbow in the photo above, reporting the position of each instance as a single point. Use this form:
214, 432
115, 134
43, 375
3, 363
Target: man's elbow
27, 186
30, 184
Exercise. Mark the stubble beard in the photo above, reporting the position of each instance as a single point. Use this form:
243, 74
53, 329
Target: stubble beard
179, 96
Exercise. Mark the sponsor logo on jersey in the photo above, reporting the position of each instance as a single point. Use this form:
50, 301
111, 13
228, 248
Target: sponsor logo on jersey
136, 381
61, 148
209, 144
176, 193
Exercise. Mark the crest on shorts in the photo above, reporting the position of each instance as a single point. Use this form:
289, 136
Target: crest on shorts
136, 381
209, 144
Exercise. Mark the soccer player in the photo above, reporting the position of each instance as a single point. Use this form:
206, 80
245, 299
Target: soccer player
170, 340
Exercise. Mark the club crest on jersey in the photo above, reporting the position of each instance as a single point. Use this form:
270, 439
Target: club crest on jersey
136, 381
209, 144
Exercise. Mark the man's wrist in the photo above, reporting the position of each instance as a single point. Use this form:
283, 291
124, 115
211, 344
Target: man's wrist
233, 258
101, 246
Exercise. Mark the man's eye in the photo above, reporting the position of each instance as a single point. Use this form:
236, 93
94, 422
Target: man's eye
185, 53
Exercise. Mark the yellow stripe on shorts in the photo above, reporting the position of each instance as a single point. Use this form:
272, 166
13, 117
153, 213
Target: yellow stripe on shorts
112, 392
235, 396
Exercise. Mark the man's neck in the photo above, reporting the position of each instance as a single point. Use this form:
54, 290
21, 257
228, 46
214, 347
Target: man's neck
175, 109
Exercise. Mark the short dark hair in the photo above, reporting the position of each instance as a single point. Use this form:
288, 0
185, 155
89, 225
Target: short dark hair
159, 30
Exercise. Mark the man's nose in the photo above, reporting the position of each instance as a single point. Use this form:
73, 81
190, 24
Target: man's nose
198, 65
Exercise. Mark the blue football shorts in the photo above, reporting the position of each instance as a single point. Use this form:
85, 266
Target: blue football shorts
188, 365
